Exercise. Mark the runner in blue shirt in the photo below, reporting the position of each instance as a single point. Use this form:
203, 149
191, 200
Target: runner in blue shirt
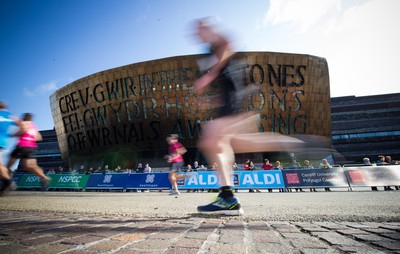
6, 121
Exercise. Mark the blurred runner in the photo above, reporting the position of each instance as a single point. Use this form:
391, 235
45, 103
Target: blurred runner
26, 148
175, 152
6, 122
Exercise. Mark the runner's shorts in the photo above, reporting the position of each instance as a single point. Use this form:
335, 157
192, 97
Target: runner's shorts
176, 166
24, 152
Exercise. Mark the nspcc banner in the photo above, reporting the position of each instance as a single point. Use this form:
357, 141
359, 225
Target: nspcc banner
373, 175
61, 181
68, 181
333, 177
29, 181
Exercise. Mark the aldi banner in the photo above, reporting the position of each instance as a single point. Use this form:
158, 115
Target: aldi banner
148, 181
107, 181
373, 175
259, 179
310, 178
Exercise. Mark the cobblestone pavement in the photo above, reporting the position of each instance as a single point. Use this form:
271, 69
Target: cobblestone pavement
83, 222
48, 232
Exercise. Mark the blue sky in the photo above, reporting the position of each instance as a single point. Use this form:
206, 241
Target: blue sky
47, 44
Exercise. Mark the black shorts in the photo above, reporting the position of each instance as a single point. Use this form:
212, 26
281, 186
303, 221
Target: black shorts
176, 166
21, 152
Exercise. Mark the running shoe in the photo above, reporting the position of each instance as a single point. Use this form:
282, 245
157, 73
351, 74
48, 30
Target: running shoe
222, 206
5, 185
45, 183
175, 193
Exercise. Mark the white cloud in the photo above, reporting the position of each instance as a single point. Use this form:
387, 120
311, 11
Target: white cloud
359, 39
361, 47
300, 14
42, 89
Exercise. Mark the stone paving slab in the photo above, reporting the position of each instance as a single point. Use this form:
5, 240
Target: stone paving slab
48, 232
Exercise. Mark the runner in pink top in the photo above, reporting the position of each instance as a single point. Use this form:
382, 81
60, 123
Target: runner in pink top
26, 148
175, 152
28, 138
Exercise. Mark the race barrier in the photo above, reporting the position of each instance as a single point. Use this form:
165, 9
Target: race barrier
373, 176
315, 178
336, 177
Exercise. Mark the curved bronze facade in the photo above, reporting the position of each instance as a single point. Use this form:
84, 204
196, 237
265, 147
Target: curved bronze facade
124, 114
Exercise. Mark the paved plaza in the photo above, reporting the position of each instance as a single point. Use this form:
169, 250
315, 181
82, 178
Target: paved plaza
99, 222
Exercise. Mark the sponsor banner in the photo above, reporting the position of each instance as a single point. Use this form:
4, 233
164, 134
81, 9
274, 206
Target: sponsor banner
107, 181
148, 181
333, 177
259, 179
373, 175
29, 181
16, 177
68, 181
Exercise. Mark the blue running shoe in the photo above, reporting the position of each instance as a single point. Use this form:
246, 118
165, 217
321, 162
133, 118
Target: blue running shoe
222, 206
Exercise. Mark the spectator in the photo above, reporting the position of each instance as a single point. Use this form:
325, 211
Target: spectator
278, 166
325, 165
140, 168
381, 160
89, 171
118, 169
147, 169
196, 166
294, 163
60, 170
235, 167
249, 165
266, 165
82, 170
389, 161
246, 165
189, 169
367, 162
307, 165
51, 171
214, 166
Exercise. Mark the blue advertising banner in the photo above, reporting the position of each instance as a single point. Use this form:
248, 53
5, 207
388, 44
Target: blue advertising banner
333, 177
148, 181
107, 181
260, 179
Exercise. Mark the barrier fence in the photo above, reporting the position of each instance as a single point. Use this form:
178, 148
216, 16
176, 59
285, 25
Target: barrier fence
336, 177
